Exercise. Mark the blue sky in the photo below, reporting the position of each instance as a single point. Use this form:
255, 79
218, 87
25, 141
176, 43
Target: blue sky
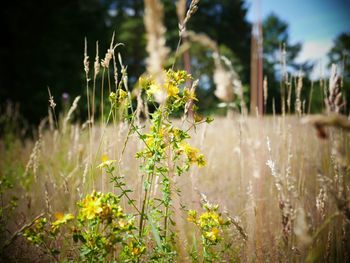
315, 23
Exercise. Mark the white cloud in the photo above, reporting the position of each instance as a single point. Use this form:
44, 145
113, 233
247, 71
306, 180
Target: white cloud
316, 51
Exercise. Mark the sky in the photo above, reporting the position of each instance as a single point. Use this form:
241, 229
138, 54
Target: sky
315, 23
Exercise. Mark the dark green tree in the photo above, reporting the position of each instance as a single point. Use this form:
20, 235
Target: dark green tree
43, 45
340, 55
275, 40
126, 19
225, 22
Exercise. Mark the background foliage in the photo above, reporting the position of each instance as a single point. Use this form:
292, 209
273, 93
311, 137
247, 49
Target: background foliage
44, 41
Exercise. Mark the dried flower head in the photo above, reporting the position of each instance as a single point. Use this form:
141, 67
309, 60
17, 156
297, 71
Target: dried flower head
223, 81
157, 51
97, 62
86, 60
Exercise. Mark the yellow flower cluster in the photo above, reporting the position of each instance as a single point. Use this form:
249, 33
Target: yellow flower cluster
172, 134
91, 206
189, 95
117, 97
122, 94
98, 205
210, 223
134, 249
160, 136
192, 154
61, 219
170, 87
35, 234
212, 235
124, 224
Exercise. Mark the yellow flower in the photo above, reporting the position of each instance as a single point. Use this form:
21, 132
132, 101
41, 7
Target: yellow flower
200, 161
209, 218
212, 235
172, 90
190, 152
192, 216
189, 94
153, 89
137, 249
145, 82
61, 220
91, 207
105, 162
149, 141
168, 89
104, 157
178, 77
122, 95
113, 97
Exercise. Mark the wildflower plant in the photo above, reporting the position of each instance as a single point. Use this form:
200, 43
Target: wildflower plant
211, 225
101, 230
166, 154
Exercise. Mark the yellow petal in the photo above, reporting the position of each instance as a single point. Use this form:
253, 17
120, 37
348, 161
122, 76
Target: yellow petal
104, 157
59, 215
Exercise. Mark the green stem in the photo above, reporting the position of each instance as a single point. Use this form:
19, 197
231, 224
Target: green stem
325, 224
102, 134
102, 84
109, 82
128, 197
142, 214
166, 222
176, 52
19, 232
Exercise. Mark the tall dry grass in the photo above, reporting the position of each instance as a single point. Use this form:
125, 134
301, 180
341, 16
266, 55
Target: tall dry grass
286, 189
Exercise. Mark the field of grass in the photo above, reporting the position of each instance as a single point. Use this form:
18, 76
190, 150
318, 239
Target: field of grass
284, 189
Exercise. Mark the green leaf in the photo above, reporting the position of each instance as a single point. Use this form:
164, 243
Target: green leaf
155, 233
209, 119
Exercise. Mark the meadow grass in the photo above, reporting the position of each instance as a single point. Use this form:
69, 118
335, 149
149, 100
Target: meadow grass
283, 199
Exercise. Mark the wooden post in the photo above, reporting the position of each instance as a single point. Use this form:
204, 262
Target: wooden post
256, 74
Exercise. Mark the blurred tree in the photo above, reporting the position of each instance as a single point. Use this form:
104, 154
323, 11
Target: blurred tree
340, 52
223, 20
340, 55
43, 45
275, 39
125, 17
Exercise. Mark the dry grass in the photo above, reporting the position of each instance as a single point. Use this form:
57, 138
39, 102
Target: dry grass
286, 199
